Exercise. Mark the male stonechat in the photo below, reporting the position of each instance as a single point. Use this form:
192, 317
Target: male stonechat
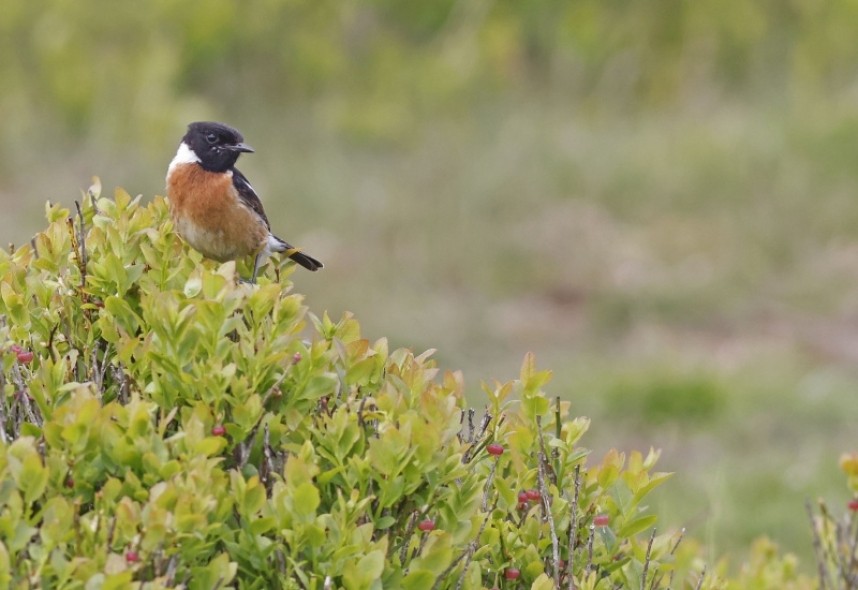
214, 207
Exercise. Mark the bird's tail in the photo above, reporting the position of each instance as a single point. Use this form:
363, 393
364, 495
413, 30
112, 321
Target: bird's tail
305, 260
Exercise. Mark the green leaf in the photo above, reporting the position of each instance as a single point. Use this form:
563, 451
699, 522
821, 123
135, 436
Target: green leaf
368, 569
418, 580
306, 499
543, 582
436, 555
385, 522
636, 525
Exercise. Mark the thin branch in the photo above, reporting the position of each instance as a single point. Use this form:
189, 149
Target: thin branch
243, 448
700, 581
3, 416
469, 552
573, 527
172, 566
406, 537
590, 550
672, 552
443, 575
476, 440
817, 547
23, 397
546, 504
678, 541
267, 467
488, 485
647, 559
84, 260
487, 419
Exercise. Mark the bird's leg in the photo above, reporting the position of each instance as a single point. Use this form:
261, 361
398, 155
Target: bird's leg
257, 262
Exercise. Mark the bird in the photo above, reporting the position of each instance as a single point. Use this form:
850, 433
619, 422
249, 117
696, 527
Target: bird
213, 205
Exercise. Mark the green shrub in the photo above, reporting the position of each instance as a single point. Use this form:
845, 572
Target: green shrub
835, 539
165, 425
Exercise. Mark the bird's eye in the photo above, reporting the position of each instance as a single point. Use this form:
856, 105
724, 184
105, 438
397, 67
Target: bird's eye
211, 138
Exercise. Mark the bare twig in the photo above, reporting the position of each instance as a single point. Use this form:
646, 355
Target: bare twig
406, 537
111, 529
487, 419
657, 580
30, 413
361, 421
469, 552
267, 467
82, 244
476, 440
280, 558
852, 544
488, 485
443, 575
466, 416
700, 581
817, 548
546, 504
172, 565
3, 416
243, 449
558, 432
678, 541
100, 369
590, 549
573, 527
647, 559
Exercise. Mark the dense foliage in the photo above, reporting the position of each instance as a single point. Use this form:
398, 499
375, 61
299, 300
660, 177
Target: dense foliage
163, 422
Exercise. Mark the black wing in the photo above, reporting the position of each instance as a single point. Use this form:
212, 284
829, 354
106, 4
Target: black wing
247, 195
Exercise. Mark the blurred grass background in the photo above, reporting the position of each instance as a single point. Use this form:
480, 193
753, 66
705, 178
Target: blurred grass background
658, 198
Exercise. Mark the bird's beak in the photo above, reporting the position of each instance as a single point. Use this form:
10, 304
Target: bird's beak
240, 147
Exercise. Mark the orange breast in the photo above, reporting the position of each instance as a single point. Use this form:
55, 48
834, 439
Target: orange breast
209, 215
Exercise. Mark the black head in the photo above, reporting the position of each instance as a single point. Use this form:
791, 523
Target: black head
215, 144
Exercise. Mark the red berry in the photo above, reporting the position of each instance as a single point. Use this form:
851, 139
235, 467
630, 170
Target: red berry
511, 573
522, 497
218, 430
69, 481
132, 557
601, 520
25, 357
495, 449
296, 358
426, 525
853, 505
533, 495
16, 349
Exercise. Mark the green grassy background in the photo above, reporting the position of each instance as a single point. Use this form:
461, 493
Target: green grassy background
659, 199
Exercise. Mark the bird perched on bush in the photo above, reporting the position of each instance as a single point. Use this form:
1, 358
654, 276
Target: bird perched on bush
214, 207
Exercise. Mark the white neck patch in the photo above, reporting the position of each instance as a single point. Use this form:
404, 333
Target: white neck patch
185, 155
